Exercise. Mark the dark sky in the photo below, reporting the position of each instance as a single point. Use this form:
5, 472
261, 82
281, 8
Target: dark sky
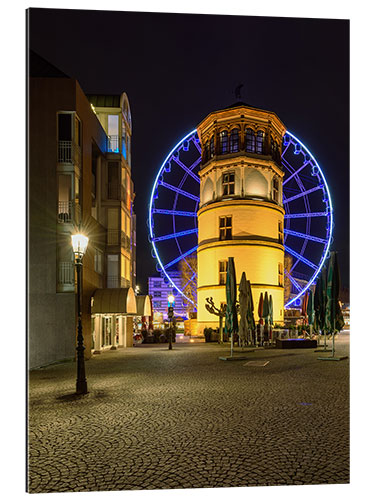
178, 68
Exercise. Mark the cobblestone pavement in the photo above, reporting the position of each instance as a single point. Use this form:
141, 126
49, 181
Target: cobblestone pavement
157, 419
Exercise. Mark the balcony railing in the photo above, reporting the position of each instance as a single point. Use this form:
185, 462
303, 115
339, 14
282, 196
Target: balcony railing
113, 144
116, 237
69, 152
65, 273
68, 212
117, 282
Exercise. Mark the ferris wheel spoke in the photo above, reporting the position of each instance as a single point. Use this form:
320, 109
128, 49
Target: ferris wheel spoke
188, 170
306, 214
296, 172
304, 236
304, 193
180, 257
188, 281
175, 235
173, 212
300, 257
179, 191
295, 283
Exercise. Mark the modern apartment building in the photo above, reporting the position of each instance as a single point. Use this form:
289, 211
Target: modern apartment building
159, 289
79, 173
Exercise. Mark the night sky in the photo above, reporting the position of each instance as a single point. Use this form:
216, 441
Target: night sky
178, 68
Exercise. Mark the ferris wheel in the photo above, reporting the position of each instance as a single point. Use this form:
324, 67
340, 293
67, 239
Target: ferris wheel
174, 202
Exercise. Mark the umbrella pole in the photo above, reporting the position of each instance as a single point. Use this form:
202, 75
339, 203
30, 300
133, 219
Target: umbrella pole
231, 344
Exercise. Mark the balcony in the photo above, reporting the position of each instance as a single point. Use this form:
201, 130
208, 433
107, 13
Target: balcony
69, 152
116, 192
65, 273
113, 144
117, 282
116, 237
68, 212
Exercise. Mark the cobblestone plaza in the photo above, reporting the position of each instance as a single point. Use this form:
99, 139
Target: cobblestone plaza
156, 419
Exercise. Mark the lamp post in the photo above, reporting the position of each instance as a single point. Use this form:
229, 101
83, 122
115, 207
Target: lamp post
79, 243
170, 317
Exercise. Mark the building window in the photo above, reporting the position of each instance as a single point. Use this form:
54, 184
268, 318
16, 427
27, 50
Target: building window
225, 227
281, 235
260, 142
228, 183
281, 274
250, 140
212, 147
275, 189
223, 264
98, 261
113, 129
157, 303
234, 141
157, 294
113, 180
273, 148
157, 284
223, 142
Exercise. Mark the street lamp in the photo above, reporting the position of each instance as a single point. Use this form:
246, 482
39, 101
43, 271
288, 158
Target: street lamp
79, 243
170, 317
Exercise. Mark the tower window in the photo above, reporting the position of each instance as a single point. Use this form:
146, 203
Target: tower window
225, 227
281, 274
224, 142
275, 189
206, 152
260, 142
281, 235
228, 184
250, 140
223, 264
212, 147
234, 141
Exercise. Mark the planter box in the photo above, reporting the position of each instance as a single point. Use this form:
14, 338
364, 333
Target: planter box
295, 344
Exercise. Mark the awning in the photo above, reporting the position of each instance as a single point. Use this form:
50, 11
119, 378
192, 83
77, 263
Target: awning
143, 305
113, 301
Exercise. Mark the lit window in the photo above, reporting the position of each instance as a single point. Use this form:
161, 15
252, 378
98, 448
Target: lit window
156, 304
281, 235
157, 294
234, 141
212, 147
157, 284
225, 227
228, 184
223, 264
223, 142
260, 142
281, 274
250, 140
275, 189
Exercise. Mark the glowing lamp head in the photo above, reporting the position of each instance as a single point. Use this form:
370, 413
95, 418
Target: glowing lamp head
171, 299
79, 244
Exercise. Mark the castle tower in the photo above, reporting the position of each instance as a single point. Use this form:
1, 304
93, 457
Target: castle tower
240, 213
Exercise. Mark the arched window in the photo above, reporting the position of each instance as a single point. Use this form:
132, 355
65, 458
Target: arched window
206, 152
260, 142
250, 140
234, 141
212, 147
273, 148
275, 189
223, 142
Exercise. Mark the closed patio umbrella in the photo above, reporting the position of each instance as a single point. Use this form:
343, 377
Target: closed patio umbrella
260, 314
334, 321
320, 296
270, 307
250, 311
266, 314
231, 321
243, 300
310, 311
